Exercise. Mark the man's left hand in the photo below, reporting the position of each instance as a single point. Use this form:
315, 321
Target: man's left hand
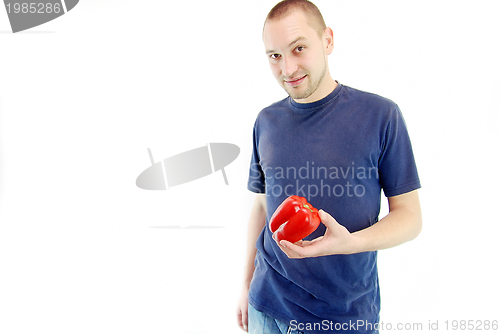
336, 240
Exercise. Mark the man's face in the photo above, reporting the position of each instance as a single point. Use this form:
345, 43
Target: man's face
297, 56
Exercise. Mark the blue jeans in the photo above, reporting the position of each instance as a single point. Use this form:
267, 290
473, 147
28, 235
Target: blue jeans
260, 323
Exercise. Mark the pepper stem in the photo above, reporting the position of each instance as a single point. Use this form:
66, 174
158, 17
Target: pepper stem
307, 206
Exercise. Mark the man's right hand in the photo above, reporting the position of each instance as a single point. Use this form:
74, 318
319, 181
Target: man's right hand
242, 310
256, 224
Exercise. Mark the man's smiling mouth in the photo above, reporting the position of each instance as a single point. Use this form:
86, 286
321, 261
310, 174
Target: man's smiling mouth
295, 82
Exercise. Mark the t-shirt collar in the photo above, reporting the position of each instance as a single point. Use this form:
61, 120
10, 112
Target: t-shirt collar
319, 103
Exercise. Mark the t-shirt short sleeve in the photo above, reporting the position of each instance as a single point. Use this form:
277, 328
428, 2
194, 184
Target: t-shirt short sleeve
256, 178
397, 168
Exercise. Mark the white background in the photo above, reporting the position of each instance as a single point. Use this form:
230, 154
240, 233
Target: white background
84, 96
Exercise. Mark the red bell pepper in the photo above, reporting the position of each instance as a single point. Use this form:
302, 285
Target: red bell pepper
294, 219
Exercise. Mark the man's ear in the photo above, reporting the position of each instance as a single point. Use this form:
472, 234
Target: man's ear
328, 40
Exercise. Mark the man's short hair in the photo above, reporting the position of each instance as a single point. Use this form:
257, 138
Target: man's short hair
286, 7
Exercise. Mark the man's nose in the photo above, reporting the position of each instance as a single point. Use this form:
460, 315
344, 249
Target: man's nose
289, 66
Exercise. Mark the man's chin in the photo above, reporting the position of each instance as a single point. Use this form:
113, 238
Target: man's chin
298, 95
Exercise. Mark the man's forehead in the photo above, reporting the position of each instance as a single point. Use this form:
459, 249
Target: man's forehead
287, 31
295, 19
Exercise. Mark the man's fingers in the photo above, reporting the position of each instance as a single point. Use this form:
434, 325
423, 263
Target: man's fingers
239, 318
329, 221
242, 318
325, 217
293, 251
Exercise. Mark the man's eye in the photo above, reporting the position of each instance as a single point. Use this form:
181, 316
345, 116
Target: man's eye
300, 48
274, 56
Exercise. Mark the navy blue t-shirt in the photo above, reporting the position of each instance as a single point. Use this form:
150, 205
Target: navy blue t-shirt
339, 153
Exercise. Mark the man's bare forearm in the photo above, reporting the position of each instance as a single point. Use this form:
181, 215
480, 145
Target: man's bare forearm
402, 224
256, 223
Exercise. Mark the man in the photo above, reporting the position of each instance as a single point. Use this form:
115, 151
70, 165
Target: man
339, 147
